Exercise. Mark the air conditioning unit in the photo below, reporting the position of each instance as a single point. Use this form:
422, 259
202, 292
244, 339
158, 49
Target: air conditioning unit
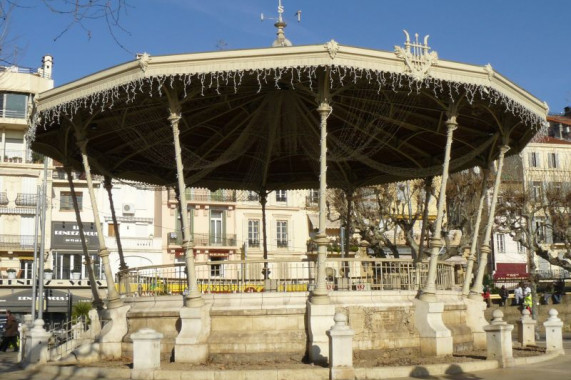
128, 209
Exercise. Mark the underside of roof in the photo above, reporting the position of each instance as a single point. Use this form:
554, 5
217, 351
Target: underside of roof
250, 122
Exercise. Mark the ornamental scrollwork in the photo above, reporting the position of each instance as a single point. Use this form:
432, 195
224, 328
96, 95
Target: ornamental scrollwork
417, 57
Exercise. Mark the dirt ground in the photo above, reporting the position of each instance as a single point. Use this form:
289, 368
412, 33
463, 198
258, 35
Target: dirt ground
361, 359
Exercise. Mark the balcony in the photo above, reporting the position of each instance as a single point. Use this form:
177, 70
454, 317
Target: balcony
4, 198
16, 242
59, 173
205, 240
26, 199
205, 196
21, 156
137, 243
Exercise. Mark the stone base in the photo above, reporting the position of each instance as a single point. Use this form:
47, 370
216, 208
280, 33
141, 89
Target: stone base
111, 337
37, 346
319, 321
342, 373
476, 320
435, 337
191, 343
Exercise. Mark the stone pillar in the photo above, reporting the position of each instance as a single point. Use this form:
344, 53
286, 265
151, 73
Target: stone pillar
476, 321
24, 329
435, 337
485, 250
554, 333
429, 290
146, 351
319, 320
37, 344
341, 349
191, 344
526, 329
499, 340
112, 333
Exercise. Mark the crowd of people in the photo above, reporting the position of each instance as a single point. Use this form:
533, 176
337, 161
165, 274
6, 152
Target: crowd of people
523, 297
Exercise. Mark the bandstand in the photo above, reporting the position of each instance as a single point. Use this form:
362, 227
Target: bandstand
293, 117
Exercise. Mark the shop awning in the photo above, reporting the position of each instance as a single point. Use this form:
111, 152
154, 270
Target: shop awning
510, 271
314, 220
56, 301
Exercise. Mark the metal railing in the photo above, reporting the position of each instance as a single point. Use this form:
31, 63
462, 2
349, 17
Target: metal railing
26, 199
205, 240
246, 276
17, 241
65, 336
203, 195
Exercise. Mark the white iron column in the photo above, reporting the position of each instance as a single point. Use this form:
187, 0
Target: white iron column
478, 287
429, 291
472, 256
320, 295
113, 299
193, 298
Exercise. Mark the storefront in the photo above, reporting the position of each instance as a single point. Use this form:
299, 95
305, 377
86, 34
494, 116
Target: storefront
67, 253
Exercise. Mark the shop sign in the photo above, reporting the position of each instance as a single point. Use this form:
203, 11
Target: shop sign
65, 235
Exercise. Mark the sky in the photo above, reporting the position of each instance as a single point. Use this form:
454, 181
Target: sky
527, 41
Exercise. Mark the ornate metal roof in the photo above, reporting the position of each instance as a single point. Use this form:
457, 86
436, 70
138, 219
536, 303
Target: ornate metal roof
249, 117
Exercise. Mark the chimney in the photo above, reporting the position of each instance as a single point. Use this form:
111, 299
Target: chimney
47, 63
567, 111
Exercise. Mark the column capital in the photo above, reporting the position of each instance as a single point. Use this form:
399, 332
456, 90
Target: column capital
504, 149
103, 252
485, 249
174, 117
436, 242
324, 108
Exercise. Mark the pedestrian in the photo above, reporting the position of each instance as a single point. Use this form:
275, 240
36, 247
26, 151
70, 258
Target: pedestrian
504, 294
486, 296
10, 333
518, 294
528, 302
527, 290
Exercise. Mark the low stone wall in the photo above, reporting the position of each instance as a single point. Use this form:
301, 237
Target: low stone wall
265, 324
513, 313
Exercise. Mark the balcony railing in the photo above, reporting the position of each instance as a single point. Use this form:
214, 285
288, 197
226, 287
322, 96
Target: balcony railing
15, 242
246, 276
205, 240
26, 199
203, 195
60, 173
134, 243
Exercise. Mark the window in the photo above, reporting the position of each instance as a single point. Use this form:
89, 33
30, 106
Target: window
521, 249
13, 105
501, 243
536, 190
216, 226
66, 200
534, 160
281, 196
254, 233
111, 229
216, 269
64, 264
313, 196
252, 196
281, 233
552, 160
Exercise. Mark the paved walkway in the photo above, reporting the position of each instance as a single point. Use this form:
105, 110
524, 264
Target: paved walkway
556, 369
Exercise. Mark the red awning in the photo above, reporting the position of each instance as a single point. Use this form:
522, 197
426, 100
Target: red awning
510, 271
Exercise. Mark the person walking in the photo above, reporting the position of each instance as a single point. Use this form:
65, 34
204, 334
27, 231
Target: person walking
10, 333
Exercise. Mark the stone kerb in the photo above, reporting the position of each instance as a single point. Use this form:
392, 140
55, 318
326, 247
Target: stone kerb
554, 333
341, 349
146, 351
499, 340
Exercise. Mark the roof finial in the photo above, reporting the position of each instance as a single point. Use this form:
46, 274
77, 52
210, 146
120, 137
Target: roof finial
280, 24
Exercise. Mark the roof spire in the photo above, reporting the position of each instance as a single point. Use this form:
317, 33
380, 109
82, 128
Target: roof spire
280, 24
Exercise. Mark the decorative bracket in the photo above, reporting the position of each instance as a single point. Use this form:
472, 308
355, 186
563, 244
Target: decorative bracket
416, 56
144, 60
332, 47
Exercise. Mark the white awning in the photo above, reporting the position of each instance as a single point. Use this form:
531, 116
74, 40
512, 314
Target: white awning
314, 220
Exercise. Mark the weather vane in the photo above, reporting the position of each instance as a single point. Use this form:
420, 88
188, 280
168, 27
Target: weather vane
280, 25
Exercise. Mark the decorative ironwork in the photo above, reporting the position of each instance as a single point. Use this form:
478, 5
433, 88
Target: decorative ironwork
416, 56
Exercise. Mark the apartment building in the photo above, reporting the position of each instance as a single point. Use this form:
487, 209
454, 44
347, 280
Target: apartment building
20, 169
541, 169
